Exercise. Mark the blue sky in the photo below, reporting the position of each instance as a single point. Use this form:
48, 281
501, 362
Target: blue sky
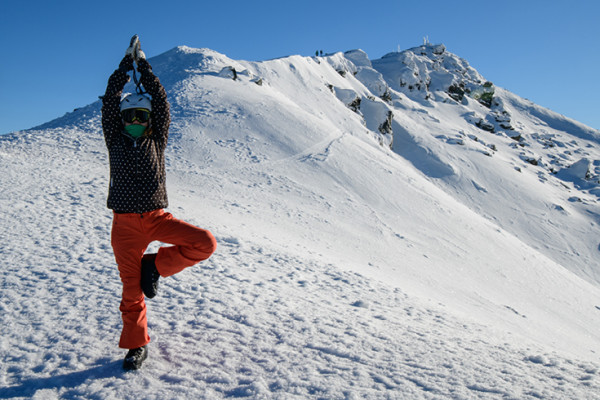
57, 56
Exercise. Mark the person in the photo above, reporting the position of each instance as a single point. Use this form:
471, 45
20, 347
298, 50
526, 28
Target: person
136, 132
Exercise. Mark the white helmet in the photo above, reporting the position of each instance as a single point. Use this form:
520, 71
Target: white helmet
134, 100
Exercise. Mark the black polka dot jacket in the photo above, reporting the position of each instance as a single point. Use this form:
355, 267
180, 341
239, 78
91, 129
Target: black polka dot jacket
137, 166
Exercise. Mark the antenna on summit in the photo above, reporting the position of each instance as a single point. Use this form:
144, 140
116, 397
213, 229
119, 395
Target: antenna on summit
426, 40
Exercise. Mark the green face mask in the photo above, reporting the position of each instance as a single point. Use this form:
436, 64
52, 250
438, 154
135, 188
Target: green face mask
135, 130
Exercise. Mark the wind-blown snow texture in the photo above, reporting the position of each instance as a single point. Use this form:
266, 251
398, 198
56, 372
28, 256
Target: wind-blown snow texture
395, 228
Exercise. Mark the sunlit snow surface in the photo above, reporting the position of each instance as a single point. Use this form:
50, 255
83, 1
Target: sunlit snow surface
440, 264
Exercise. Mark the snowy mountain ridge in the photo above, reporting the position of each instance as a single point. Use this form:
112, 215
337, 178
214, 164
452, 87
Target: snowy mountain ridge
424, 79
394, 228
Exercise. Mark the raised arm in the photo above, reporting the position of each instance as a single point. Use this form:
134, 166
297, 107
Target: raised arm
160, 106
112, 123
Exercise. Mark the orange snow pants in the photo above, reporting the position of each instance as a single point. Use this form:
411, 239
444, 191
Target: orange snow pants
131, 234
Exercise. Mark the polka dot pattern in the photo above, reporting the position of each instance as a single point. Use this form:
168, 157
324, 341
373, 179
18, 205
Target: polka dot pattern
137, 166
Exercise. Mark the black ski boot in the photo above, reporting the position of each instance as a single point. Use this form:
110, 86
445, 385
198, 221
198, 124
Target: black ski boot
150, 275
135, 358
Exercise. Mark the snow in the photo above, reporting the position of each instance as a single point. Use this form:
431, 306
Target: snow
436, 262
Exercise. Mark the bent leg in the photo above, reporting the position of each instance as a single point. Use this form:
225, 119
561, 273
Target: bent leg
191, 244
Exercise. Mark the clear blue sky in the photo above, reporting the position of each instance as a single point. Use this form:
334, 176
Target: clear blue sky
57, 56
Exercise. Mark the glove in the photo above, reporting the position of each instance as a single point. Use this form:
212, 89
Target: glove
126, 64
134, 44
134, 49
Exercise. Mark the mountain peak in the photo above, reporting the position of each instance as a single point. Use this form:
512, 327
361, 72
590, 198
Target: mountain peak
427, 68
427, 49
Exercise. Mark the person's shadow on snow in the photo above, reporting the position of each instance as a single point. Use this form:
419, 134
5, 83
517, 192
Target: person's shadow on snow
106, 368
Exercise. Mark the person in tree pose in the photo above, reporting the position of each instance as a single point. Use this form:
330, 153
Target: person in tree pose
136, 130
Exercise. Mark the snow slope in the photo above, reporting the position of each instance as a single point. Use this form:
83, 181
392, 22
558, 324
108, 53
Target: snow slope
432, 260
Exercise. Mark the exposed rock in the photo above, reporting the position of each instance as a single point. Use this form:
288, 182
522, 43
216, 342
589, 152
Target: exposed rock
386, 126
532, 161
479, 122
355, 104
438, 49
349, 97
386, 96
503, 119
517, 138
228, 72
484, 94
457, 91
485, 125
